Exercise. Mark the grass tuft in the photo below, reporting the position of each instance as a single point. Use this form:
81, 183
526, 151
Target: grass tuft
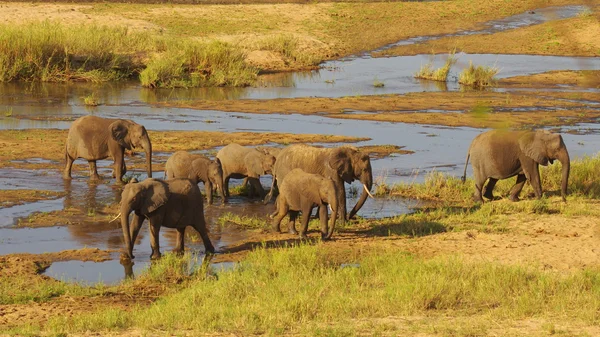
441, 74
478, 76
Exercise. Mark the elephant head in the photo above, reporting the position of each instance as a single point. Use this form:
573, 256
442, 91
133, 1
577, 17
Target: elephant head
131, 135
215, 177
259, 163
543, 147
351, 164
328, 195
143, 198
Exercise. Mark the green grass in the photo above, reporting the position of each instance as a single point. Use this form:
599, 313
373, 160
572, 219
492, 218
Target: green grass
91, 100
243, 221
297, 290
478, 76
24, 289
441, 74
51, 52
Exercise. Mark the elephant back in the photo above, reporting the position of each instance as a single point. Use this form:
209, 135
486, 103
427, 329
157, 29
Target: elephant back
308, 158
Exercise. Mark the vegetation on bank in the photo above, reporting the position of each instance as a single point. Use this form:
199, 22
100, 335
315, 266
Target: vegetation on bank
478, 76
51, 52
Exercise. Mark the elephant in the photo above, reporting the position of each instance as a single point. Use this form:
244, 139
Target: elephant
500, 154
239, 162
95, 138
197, 168
175, 203
301, 191
341, 164
269, 150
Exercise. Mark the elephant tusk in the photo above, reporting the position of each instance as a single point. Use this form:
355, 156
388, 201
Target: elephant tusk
115, 218
369, 193
330, 209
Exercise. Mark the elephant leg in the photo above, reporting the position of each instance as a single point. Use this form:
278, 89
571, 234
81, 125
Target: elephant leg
118, 166
68, 166
257, 186
200, 226
226, 186
517, 187
323, 220
208, 189
292, 223
180, 237
272, 192
306, 211
93, 170
479, 183
154, 236
489, 188
280, 213
535, 180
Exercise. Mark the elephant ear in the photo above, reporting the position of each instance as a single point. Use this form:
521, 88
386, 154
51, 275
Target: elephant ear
533, 146
155, 195
119, 131
340, 161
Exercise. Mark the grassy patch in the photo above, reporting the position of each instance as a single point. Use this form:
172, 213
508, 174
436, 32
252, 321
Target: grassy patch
297, 290
243, 221
26, 289
478, 76
51, 52
290, 48
441, 74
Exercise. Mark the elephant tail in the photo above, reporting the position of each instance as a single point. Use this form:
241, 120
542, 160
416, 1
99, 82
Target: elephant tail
464, 176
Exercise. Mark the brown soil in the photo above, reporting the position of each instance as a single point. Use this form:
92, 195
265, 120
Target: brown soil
18, 197
552, 79
570, 37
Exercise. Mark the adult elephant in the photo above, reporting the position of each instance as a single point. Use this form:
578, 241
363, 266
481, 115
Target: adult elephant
239, 162
340, 164
197, 168
95, 138
502, 154
301, 191
174, 203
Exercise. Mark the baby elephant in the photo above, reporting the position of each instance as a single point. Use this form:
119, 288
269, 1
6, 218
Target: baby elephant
301, 191
197, 168
502, 154
175, 204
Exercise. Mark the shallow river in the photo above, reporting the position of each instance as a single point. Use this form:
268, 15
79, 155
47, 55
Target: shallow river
436, 148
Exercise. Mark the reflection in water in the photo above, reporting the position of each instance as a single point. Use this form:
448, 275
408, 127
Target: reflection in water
429, 85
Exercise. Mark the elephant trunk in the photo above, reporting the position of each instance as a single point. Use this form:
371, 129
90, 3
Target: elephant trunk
563, 157
367, 180
222, 192
333, 207
147, 146
125, 210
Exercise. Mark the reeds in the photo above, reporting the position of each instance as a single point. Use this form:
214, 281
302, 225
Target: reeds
478, 76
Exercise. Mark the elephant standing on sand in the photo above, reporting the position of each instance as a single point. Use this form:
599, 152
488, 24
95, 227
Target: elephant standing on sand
94, 138
501, 154
174, 203
239, 162
341, 164
197, 168
301, 191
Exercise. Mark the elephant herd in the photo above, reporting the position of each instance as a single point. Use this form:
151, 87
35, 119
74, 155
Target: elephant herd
304, 176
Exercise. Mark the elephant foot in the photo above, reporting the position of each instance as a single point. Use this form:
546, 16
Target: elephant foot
276, 229
490, 196
126, 257
478, 199
293, 231
155, 256
66, 176
513, 198
324, 237
178, 251
303, 236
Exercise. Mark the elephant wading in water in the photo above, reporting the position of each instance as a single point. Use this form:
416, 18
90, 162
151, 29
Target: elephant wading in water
501, 154
341, 164
174, 203
94, 138
301, 191
197, 168
239, 162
